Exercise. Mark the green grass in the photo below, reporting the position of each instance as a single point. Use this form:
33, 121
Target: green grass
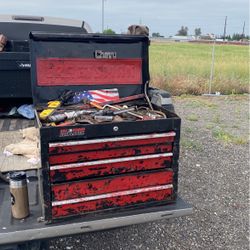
216, 119
184, 68
193, 117
191, 144
209, 126
189, 130
198, 103
226, 137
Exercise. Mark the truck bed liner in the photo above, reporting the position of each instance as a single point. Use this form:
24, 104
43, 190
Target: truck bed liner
14, 231
12, 124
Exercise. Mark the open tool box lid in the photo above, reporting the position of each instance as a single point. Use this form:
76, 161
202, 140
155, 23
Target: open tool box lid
87, 62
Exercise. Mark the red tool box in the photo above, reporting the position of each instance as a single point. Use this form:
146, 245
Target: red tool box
96, 168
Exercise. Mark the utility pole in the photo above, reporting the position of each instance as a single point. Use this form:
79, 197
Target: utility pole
212, 69
103, 15
243, 30
225, 29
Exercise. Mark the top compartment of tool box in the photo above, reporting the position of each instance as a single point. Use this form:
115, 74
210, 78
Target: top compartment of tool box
80, 62
87, 62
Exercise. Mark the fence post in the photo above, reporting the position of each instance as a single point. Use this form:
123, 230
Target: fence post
212, 69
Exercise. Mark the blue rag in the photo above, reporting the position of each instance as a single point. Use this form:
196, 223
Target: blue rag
26, 111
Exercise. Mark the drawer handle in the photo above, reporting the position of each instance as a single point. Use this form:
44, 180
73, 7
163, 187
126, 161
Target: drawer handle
125, 138
111, 195
107, 161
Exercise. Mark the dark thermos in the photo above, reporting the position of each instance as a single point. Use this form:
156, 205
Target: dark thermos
19, 195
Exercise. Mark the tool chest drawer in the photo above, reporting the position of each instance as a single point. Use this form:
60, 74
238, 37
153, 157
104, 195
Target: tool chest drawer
107, 148
97, 174
99, 157
75, 171
111, 192
110, 143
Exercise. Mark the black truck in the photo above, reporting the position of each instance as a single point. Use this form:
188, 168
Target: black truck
99, 175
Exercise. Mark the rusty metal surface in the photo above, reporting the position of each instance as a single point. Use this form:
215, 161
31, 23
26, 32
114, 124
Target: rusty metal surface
74, 151
111, 202
109, 153
72, 71
108, 143
66, 172
76, 189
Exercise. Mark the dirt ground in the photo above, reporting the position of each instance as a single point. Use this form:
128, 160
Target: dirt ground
214, 178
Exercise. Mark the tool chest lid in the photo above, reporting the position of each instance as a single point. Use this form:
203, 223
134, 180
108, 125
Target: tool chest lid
74, 61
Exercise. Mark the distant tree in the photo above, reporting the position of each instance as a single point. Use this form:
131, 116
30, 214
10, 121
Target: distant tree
109, 32
197, 31
183, 31
156, 34
237, 37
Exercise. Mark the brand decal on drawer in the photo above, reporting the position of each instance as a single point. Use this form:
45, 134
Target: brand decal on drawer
71, 132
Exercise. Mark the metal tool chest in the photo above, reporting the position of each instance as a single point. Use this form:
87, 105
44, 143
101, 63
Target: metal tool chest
100, 168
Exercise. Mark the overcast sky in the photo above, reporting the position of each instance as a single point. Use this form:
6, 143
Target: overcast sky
163, 16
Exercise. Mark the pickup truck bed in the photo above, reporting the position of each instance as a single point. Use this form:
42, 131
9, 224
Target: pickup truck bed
16, 231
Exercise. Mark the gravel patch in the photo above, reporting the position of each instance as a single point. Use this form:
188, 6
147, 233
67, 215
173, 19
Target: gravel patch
214, 178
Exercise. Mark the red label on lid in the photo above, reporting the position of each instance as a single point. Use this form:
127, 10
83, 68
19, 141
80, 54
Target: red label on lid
77, 71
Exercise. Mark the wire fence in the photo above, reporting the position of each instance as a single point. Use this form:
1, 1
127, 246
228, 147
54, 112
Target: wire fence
212, 67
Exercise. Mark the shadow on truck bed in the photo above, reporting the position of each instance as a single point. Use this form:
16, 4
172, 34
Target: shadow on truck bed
13, 122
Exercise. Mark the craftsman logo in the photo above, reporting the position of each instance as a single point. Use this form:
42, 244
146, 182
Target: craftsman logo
72, 132
23, 65
99, 54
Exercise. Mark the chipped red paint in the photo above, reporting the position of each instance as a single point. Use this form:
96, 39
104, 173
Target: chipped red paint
109, 153
83, 170
79, 71
96, 174
111, 195
101, 204
78, 189
109, 143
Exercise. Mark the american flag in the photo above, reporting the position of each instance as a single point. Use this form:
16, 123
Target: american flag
99, 96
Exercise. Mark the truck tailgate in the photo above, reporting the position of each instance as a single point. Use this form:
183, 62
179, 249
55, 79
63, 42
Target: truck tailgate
14, 231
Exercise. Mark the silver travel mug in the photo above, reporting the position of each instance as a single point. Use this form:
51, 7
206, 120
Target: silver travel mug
19, 195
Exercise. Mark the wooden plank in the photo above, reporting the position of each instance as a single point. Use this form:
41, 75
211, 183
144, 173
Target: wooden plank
1, 124
6, 124
13, 123
19, 124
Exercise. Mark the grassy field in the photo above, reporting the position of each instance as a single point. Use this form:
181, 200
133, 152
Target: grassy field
184, 68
